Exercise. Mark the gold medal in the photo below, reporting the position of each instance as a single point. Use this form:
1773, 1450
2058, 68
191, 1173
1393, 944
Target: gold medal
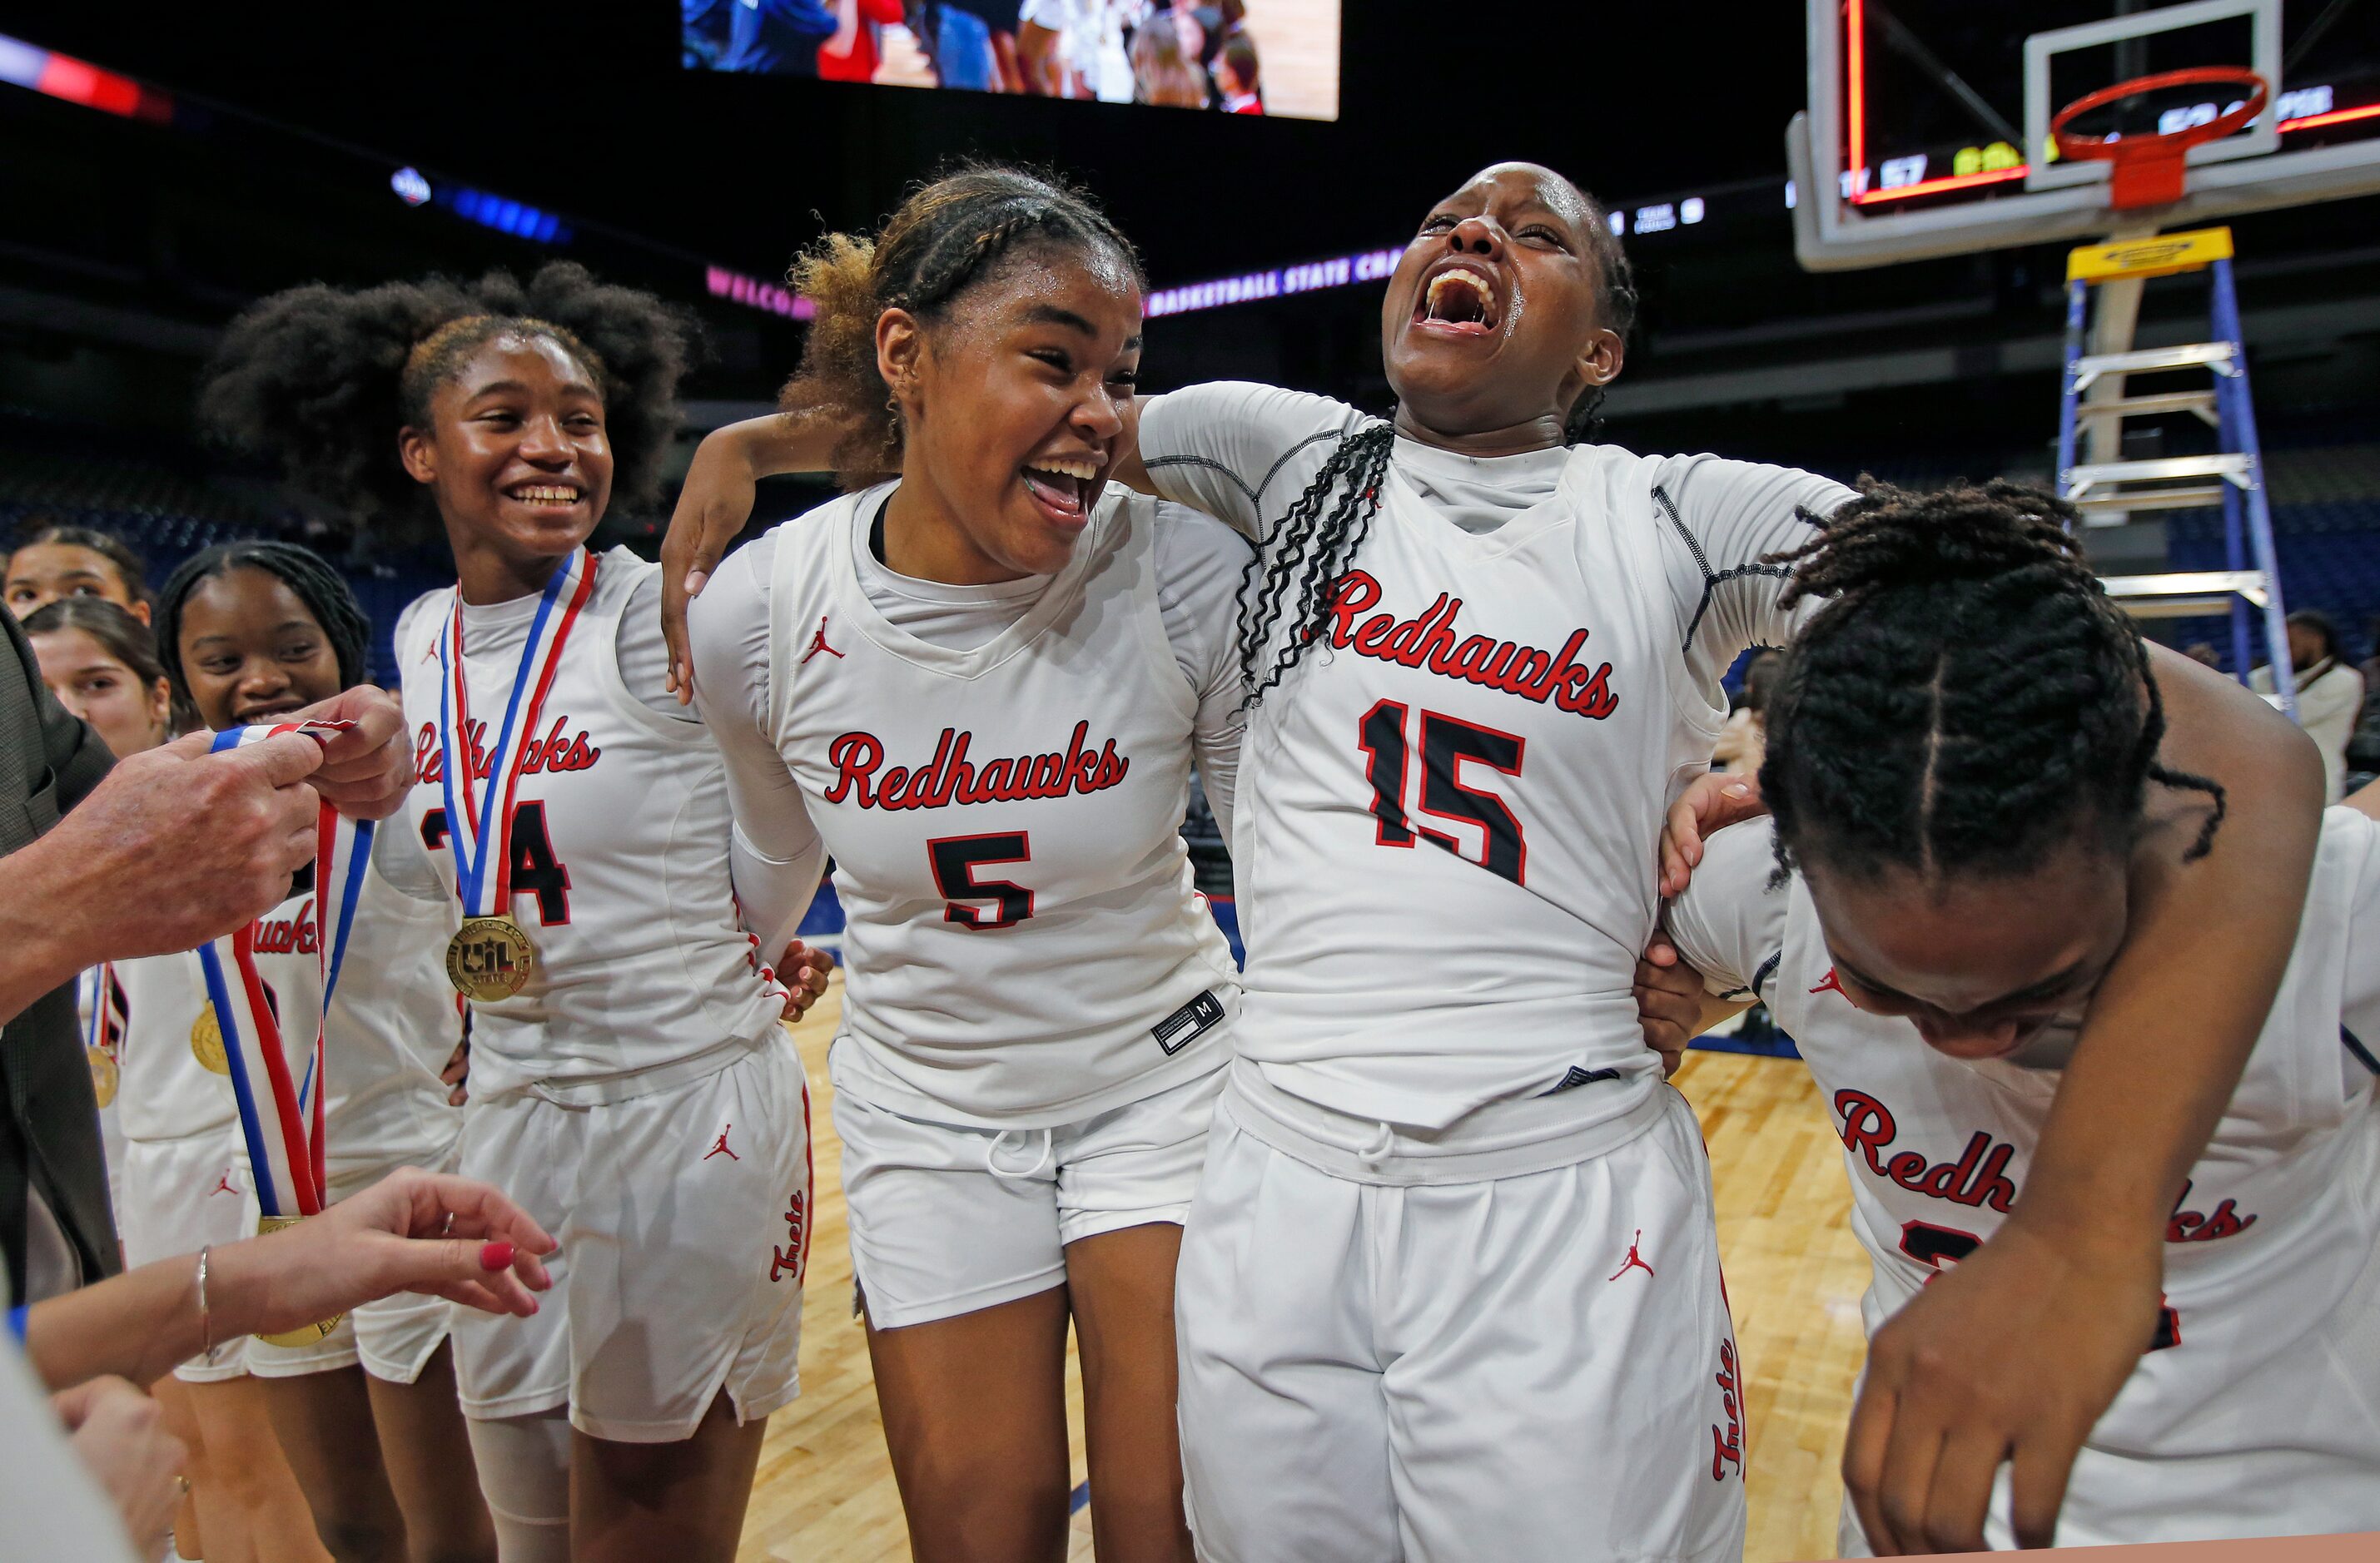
304, 1335
491, 960
104, 1075
207, 1043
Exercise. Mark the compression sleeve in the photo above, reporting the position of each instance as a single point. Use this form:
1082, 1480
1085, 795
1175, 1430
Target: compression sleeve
776, 852
1729, 924
1720, 519
1198, 567
1220, 447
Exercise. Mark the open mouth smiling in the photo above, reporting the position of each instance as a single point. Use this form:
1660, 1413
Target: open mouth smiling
1460, 300
1063, 486
546, 494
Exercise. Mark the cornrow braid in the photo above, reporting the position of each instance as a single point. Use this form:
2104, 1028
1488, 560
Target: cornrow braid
1969, 697
322, 589
948, 238
1306, 551
1619, 311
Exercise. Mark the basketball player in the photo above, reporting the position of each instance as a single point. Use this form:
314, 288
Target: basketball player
985, 684
1933, 907
1522, 667
630, 1083
175, 1165
251, 632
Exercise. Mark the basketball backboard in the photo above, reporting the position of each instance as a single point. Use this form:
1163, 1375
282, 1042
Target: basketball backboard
1927, 130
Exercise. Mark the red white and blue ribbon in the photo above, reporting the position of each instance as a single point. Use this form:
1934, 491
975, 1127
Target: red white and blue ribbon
105, 1010
478, 816
281, 1106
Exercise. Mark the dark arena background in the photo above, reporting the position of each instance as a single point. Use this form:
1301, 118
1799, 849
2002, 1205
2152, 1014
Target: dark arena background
163, 167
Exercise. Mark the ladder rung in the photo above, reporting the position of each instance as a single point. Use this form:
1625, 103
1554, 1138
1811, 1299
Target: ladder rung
2233, 465
2217, 356
2185, 595
2196, 497
2199, 401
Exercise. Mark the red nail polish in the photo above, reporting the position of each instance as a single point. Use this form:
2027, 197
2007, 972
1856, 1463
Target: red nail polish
496, 1256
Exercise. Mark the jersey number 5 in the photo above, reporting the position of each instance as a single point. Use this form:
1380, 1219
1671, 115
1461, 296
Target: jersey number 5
1446, 743
1941, 1247
955, 858
535, 870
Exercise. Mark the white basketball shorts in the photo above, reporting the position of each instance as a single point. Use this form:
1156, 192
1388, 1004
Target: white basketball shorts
180, 1194
684, 1216
946, 1219
394, 1338
1538, 1367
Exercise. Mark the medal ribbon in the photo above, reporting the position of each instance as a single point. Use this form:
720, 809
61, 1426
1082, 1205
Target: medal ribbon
480, 818
102, 1027
281, 1115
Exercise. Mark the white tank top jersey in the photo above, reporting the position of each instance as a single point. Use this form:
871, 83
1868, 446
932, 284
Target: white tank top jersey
163, 1092
619, 853
1451, 808
2258, 1412
394, 1021
1025, 942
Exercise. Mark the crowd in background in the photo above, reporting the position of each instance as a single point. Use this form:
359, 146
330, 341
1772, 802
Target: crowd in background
1179, 54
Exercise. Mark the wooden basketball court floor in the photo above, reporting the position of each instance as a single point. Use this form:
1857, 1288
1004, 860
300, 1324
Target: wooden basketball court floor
1794, 1272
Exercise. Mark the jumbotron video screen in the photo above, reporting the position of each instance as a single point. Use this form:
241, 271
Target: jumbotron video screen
1277, 57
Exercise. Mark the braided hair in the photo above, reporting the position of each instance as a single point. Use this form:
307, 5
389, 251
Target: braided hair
322, 589
1313, 543
948, 238
1969, 697
320, 378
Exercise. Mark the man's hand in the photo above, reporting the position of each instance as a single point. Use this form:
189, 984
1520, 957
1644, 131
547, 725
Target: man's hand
457, 1075
119, 1435
1711, 803
367, 769
804, 970
175, 847
1669, 1001
2011, 1354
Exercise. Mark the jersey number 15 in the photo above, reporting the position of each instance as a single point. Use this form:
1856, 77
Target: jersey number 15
1446, 743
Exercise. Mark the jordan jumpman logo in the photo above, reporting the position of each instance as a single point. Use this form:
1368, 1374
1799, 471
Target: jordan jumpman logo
1634, 1260
223, 1184
818, 643
1830, 983
721, 1148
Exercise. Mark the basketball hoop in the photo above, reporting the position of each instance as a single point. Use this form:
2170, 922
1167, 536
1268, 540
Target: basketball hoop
2147, 170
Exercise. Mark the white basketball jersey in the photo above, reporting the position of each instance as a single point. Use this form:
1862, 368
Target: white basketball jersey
1025, 942
164, 1092
619, 854
1450, 810
2258, 1410
394, 1020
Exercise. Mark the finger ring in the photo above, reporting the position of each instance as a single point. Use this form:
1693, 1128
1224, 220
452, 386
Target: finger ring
184, 1483
449, 1229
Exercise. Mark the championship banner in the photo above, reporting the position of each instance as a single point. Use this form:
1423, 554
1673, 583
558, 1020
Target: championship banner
281, 1110
491, 959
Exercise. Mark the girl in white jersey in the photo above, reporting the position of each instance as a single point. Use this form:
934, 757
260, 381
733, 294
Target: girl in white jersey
251, 632
630, 1082
173, 1143
1524, 637
984, 683
1958, 761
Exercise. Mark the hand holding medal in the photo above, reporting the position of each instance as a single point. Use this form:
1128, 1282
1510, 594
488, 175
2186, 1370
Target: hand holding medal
280, 1114
491, 958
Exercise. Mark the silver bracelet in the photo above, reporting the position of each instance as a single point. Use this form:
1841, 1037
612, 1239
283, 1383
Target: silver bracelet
206, 1315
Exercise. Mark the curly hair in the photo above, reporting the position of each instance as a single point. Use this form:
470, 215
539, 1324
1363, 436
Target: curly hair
1313, 543
1968, 700
320, 380
949, 238
322, 589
